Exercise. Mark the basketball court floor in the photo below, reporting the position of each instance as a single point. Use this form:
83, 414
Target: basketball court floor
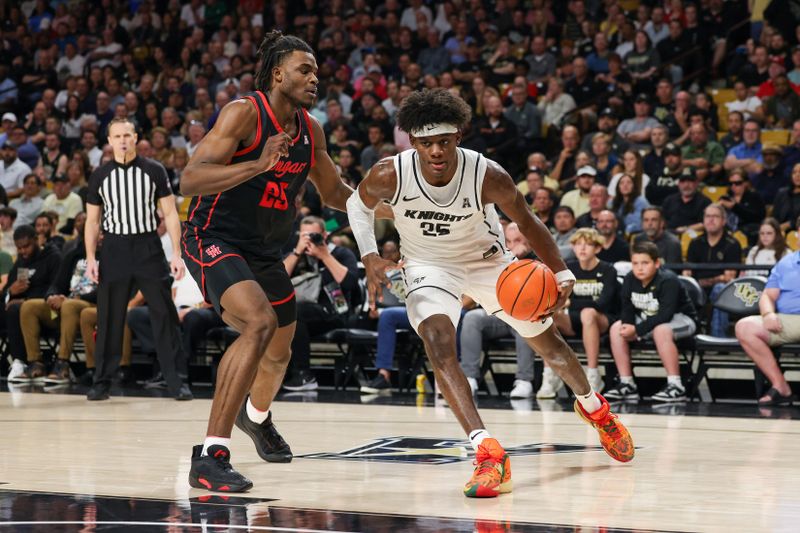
395, 465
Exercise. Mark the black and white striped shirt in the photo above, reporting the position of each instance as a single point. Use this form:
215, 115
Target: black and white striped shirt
129, 195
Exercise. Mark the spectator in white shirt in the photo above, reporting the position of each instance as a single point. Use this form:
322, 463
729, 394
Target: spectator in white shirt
749, 105
71, 63
12, 170
409, 16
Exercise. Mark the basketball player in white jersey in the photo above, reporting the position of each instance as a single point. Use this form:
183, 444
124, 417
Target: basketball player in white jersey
443, 199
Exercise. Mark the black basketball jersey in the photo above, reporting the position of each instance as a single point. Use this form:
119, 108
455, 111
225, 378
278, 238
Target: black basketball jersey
257, 216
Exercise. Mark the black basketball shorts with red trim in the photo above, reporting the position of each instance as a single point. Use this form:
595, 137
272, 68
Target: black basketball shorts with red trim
217, 265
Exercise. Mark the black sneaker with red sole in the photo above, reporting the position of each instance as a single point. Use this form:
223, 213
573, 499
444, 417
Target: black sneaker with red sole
214, 471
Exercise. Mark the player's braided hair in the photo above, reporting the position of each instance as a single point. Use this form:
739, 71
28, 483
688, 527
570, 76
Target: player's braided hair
433, 106
274, 48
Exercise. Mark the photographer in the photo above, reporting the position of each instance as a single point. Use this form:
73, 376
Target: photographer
325, 277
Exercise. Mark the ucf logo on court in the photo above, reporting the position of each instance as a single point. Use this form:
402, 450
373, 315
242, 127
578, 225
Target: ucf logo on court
432, 451
746, 293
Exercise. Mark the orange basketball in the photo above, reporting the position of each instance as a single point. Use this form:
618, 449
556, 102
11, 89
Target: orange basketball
526, 289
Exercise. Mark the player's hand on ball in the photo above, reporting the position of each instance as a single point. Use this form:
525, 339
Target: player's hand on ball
376, 268
564, 292
277, 147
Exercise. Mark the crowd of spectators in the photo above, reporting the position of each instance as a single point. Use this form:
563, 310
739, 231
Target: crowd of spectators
604, 111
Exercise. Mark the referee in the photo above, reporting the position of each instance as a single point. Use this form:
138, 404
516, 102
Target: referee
128, 191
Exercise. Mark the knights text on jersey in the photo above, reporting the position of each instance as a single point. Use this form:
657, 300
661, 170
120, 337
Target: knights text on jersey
257, 215
445, 223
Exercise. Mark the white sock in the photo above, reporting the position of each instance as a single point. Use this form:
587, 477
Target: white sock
675, 380
627, 379
592, 371
589, 402
477, 436
211, 441
254, 414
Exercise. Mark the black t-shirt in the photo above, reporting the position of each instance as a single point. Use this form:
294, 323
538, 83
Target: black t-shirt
618, 251
257, 215
678, 213
727, 250
662, 186
582, 93
655, 304
597, 288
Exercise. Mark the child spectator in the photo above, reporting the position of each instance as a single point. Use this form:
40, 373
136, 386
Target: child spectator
594, 303
654, 306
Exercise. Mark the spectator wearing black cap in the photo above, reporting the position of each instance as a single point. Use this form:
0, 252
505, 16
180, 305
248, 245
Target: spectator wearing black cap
637, 130
683, 210
607, 122
666, 181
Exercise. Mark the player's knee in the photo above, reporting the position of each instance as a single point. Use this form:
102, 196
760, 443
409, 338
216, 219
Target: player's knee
260, 325
439, 339
615, 327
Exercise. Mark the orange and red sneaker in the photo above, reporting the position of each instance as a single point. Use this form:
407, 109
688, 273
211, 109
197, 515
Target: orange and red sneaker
492, 474
614, 436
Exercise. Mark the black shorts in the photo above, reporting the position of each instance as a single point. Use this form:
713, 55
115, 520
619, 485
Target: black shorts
216, 265
577, 325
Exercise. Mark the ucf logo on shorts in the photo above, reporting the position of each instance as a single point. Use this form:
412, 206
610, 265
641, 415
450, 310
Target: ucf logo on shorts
426, 450
746, 293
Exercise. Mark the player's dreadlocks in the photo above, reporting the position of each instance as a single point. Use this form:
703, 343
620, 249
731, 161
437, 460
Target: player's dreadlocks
274, 48
434, 106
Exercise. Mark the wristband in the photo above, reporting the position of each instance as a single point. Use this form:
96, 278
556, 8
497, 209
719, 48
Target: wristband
294, 252
565, 276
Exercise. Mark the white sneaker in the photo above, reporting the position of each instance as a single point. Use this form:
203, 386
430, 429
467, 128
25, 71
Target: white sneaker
473, 385
522, 389
16, 373
596, 381
551, 384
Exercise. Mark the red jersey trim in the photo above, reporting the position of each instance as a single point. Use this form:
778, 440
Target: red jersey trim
274, 120
257, 140
211, 211
283, 301
198, 198
310, 134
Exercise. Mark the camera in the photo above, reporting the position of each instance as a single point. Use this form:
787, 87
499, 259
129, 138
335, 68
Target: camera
316, 238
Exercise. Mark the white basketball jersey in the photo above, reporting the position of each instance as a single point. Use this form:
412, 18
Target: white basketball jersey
445, 223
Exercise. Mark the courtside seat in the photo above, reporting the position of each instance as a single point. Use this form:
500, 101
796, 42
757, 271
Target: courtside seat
739, 297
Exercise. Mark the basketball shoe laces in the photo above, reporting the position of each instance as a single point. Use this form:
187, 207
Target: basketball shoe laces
487, 464
223, 460
609, 426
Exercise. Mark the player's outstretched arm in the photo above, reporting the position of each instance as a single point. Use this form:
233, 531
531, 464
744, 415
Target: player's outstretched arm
379, 185
333, 191
208, 171
499, 189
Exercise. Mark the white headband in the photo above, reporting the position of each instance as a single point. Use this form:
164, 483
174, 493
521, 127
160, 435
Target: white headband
430, 130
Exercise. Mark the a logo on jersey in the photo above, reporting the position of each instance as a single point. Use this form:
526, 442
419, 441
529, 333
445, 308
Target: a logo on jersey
275, 196
407, 199
282, 168
213, 251
434, 215
466, 204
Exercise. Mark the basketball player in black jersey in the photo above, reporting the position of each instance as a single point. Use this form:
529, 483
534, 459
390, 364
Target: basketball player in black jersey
244, 177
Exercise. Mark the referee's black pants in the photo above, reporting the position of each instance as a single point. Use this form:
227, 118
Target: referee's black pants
139, 259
